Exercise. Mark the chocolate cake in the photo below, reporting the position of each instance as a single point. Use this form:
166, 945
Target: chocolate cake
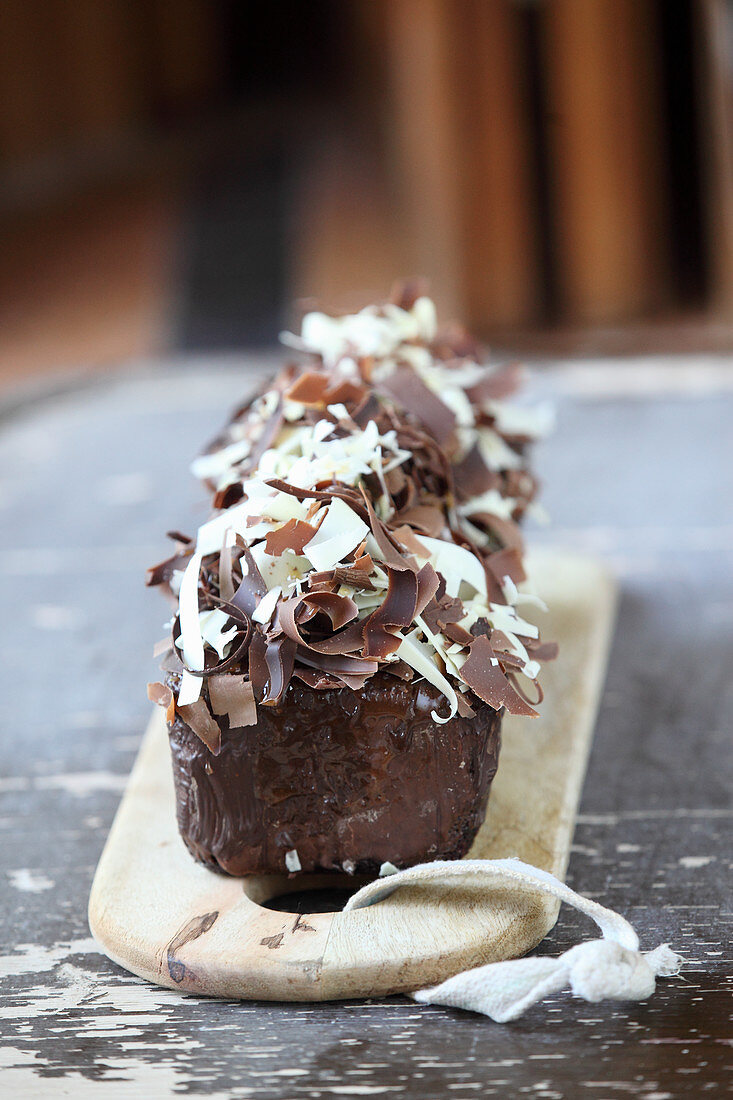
349, 623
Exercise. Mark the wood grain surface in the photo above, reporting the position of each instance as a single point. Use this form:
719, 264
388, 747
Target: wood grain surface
638, 472
162, 916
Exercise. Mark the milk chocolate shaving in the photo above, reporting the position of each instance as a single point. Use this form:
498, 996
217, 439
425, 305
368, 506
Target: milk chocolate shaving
441, 611
367, 410
340, 609
496, 385
521, 691
390, 553
541, 651
456, 633
426, 518
252, 587
198, 716
405, 292
267, 436
396, 612
428, 583
235, 697
350, 496
318, 389
507, 563
472, 476
483, 674
353, 575
271, 665
164, 570
464, 708
293, 535
162, 696
505, 530
407, 388
409, 540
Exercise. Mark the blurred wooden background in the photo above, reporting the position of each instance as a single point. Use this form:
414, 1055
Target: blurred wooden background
561, 170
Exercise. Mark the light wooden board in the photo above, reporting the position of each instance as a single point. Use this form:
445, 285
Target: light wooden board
166, 918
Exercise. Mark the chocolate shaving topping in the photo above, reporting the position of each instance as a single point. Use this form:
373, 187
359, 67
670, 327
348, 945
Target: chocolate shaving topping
233, 696
162, 696
396, 612
252, 587
293, 535
198, 716
426, 518
406, 387
324, 627
472, 476
507, 563
497, 385
483, 673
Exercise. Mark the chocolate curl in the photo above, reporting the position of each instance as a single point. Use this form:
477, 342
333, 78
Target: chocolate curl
267, 436
464, 707
396, 612
318, 389
293, 535
340, 609
507, 563
456, 633
428, 583
410, 541
347, 641
406, 387
352, 575
454, 342
320, 681
198, 716
391, 555
496, 385
443, 610
483, 674
163, 571
504, 530
226, 581
520, 690
234, 696
472, 476
271, 666
162, 696
350, 496
252, 588
426, 518
367, 410
541, 651
353, 671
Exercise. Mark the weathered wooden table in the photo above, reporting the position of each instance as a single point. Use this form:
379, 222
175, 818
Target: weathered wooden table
640, 470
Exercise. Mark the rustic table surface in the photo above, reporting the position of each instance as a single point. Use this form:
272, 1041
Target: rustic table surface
640, 470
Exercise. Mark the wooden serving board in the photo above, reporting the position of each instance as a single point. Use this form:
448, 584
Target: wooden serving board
164, 917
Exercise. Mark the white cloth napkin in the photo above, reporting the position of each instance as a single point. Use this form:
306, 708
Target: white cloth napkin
609, 968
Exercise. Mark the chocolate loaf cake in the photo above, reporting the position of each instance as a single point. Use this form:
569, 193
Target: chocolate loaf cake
349, 622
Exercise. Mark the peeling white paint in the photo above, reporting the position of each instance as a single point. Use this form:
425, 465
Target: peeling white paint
695, 861
82, 784
34, 882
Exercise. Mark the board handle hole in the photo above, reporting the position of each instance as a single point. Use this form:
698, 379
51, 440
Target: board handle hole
318, 893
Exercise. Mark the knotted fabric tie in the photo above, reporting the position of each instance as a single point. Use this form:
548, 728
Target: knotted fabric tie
609, 968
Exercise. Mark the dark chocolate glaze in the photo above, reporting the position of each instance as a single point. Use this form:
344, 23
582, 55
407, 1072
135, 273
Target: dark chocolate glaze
349, 779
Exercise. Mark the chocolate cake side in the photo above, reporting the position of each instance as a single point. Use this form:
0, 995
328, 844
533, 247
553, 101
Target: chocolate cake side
337, 780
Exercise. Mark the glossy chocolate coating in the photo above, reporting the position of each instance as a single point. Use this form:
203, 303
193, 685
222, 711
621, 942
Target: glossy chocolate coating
349, 779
